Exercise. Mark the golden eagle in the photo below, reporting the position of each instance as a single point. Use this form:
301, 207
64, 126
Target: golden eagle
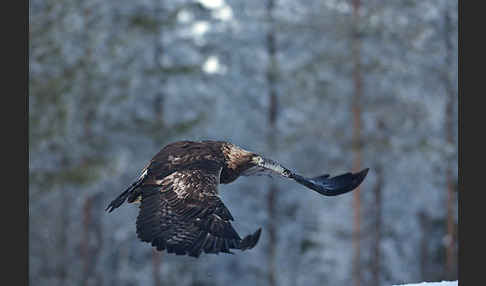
180, 208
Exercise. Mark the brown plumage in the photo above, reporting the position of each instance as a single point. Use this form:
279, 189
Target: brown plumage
180, 209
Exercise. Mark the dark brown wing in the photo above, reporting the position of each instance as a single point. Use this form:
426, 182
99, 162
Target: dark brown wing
183, 213
181, 154
173, 157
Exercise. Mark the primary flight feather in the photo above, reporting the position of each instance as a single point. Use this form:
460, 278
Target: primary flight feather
180, 208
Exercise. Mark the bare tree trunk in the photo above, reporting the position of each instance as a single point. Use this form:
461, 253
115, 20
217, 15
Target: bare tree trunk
356, 109
451, 260
98, 231
159, 12
272, 234
451, 268
158, 53
89, 107
85, 251
114, 264
156, 263
90, 249
65, 206
424, 246
271, 140
376, 268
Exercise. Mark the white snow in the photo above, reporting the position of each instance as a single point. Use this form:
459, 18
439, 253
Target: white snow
443, 283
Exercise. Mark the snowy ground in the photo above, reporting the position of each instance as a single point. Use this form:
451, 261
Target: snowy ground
443, 283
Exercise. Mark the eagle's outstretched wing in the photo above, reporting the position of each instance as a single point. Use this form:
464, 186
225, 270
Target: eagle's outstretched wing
183, 214
323, 184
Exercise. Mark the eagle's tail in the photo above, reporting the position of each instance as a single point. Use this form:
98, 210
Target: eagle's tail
249, 241
129, 193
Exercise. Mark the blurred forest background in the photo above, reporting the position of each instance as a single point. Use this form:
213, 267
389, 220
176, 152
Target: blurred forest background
319, 85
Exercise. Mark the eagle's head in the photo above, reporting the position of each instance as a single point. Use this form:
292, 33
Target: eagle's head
245, 163
237, 158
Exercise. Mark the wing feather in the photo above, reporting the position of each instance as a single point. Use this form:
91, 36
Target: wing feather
183, 213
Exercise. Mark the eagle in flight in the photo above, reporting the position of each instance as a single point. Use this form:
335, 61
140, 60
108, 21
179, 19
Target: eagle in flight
180, 208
